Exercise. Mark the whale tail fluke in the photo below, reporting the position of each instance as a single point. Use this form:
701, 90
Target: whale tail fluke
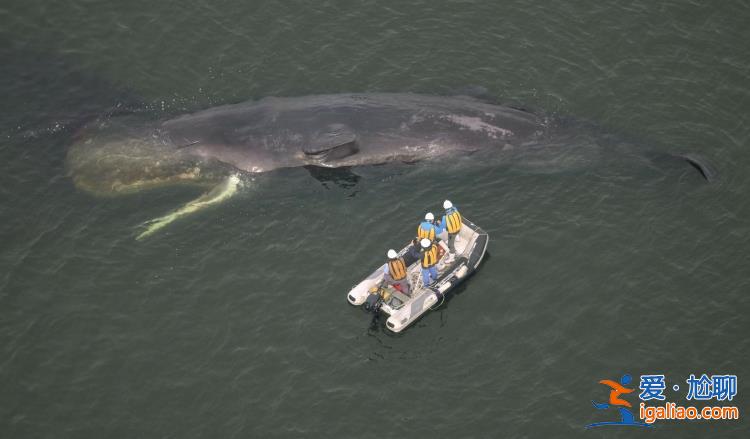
701, 164
223, 191
696, 161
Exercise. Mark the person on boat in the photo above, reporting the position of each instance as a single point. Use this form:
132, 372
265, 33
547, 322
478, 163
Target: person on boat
451, 224
429, 261
414, 250
395, 272
427, 229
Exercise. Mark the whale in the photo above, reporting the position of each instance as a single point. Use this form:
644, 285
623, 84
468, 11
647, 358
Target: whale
216, 147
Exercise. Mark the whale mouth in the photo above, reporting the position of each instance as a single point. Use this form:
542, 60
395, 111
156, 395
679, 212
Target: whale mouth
119, 185
113, 177
107, 161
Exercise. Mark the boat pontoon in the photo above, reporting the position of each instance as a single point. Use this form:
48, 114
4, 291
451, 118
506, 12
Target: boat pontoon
402, 309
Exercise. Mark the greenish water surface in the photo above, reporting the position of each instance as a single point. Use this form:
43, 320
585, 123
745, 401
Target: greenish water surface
233, 322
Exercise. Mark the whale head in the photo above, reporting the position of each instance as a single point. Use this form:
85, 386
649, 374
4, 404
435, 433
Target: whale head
120, 156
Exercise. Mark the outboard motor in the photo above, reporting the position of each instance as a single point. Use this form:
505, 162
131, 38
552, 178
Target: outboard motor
373, 302
378, 296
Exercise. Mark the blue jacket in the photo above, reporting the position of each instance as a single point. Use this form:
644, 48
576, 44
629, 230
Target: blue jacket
441, 228
426, 225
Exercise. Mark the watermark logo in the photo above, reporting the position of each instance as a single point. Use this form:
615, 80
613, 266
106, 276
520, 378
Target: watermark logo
652, 390
616, 390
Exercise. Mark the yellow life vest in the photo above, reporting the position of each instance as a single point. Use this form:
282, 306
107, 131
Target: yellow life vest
454, 222
397, 268
429, 257
422, 233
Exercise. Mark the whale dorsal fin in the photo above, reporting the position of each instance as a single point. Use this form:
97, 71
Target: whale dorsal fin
334, 142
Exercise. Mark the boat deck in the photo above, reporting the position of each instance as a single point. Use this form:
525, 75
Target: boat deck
405, 309
466, 238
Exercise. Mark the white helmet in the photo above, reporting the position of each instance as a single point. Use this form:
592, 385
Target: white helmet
392, 254
447, 204
429, 216
425, 243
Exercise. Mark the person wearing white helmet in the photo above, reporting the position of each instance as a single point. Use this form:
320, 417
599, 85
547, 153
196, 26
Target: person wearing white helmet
395, 272
452, 225
426, 228
429, 259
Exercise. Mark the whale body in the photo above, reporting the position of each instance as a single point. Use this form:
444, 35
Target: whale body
126, 153
123, 154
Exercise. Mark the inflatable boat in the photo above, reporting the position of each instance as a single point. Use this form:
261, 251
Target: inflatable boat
373, 295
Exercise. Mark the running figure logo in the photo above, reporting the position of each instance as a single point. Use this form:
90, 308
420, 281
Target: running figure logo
617, 389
